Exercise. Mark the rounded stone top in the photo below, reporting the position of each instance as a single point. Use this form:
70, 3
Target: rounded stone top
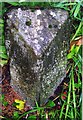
38, 28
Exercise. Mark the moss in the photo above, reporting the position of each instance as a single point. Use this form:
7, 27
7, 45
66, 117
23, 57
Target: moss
32, 10
28, 23
42, 8
50, 26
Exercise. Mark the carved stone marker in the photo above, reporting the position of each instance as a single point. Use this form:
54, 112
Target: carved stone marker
37, 43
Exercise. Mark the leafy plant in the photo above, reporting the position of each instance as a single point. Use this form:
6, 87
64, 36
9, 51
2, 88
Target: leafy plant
2, 100
50, 104
74, 85
15, 115
3, 52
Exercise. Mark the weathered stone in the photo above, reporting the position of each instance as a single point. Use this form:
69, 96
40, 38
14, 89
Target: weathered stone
37, 44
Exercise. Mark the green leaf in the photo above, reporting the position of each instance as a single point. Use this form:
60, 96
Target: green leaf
62, 110
37, 104
70, 55
4, 56
77, 49
80, 58
73, 92
1, 20
3, 62
80, 67
14, 104
75, 59
3, 49
5, 103
1, 98
14, 3
31, 111
72, 52
77, 10
72, 114
79, 80
32, 117
73, 48
15, 115
72, 10
78, 29
1, 25
68, 100
50, 104
80, 100
77, 85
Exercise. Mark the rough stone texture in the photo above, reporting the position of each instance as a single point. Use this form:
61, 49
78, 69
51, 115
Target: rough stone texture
37, 43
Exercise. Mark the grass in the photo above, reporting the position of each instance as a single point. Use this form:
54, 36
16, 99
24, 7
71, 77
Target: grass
70, 107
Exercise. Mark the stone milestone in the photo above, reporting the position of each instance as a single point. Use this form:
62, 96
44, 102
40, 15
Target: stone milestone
37, 43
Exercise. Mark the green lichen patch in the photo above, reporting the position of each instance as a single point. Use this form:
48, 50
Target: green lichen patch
50, 26
28, 23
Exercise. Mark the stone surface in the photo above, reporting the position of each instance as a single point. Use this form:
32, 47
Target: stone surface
37, 44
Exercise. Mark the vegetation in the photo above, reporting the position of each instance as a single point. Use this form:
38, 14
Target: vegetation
70, 100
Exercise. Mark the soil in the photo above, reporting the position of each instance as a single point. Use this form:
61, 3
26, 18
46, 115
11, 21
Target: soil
9, 93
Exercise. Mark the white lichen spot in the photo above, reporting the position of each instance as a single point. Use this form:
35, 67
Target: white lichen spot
38, 12
62, 53
41, 38
48, 82
26, 31
48, 54
36, 52
35, 35
38, 47
59, 26
38, 22
38, 28
19, 13
35, 41
10, 16
53, 14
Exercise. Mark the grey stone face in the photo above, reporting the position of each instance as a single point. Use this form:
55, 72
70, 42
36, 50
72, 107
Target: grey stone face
37, 43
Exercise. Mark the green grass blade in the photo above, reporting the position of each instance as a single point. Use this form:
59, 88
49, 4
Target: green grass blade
61, 113
31, 111
71, 112
68, 100
73, 91
77, 10
77, 31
